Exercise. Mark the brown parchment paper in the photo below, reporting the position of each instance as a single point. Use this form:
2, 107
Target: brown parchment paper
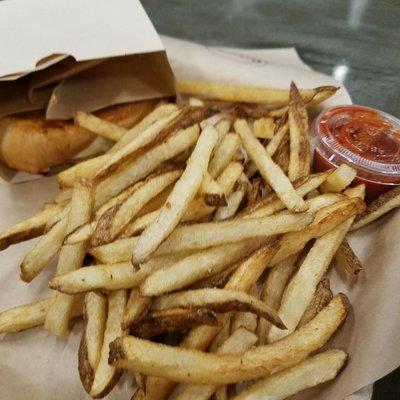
36, 365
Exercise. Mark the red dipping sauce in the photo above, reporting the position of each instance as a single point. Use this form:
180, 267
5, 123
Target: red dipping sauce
366, 139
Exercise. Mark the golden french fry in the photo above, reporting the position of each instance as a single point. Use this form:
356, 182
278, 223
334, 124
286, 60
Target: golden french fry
224, 154
177, 363
99, 126
268, 169
145, 164
347, 259
204, 235
313, 371
172, 320
43, 251
71, 257
246, 94
273, 289
380, 206
264, 127
183, 193
30, 315
218, 300
282, 154
95, 314
29, 228
136, 308
322, 296
339, 179
300, 150
106, 376
195, 102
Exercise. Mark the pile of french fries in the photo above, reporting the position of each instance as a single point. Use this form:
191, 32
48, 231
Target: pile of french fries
196, 249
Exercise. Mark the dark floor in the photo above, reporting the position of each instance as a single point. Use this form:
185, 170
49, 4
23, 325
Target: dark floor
357, 41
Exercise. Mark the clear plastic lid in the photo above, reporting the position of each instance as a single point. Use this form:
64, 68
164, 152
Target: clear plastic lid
365, 138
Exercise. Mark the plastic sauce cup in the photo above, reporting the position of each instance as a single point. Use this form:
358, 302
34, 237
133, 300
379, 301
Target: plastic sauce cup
366, 139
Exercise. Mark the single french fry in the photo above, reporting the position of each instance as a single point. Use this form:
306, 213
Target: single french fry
300, 150
322, 296
347, 259
135, 309
145, 164
277, 139
30, 315
273, 289
224, 154
204, 235
313, 371
183, 193
195, 102
195, 267
282, 154
268, 169
29, 228
245, 94
106, 376
378, 207
264, 127
70, 258
99, 126
218, 300
300, 290
95, 314
43, 251
177, 363
339, 179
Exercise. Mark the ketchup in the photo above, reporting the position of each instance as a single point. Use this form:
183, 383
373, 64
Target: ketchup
366, 139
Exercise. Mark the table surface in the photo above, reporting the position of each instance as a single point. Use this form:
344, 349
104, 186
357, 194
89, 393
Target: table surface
356, 41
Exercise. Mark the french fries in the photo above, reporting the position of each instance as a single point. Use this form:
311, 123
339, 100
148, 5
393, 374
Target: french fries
183, 192
106, 376
232, 93
42, 253
99, 126
71, 257
380, 206
95, 313
177, 364
300, 151
177, 221
218, 300
29, 228
273, 289
311, 372
30, 315
299, 292
268, 169
339, 179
